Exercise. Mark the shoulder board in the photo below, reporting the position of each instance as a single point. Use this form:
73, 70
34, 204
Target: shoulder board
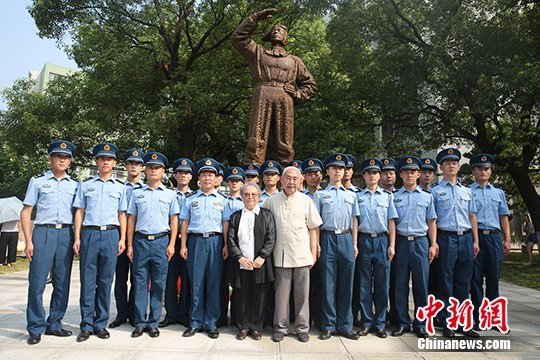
222, 194
168, 187
118, 181
387, 191
424, 190
191, 194
38, 176
88, 178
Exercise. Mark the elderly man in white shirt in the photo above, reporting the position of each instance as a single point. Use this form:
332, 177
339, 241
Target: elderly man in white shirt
295, 252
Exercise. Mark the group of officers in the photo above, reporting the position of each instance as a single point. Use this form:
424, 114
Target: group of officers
154, 241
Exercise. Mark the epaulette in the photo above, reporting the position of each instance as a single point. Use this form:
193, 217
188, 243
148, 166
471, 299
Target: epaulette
429, 192
118, 181
38, 176
191, 194
387, 191
222, 194
88, 178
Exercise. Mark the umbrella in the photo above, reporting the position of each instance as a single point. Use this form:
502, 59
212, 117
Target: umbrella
10, 209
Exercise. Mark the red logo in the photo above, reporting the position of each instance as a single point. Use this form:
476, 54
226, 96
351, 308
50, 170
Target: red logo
494, 314
154, 156
429, 312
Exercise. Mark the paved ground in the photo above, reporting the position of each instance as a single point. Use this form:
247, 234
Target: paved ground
524, 321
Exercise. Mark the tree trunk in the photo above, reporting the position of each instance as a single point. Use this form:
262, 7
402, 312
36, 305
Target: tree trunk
528, 192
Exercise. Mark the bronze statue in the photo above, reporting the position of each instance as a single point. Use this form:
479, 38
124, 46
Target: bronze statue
275, 73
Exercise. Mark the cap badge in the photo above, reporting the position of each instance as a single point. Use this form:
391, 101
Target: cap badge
409, 161
250, 167
135, 153
450, 151
386, 162
183, 162
208, 162
483, 158
339, 157
235, 171
310, 162
371, 162
106, 147
63, 145
154, 156
270, 164
295, 164
427, 161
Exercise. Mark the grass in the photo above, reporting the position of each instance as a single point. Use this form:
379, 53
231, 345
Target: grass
516, 272
514, 269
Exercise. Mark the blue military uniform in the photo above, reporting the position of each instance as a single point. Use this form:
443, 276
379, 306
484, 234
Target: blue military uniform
376, 210
269, 166
415, 208
233, 203
251, 170
311, 164
53, 244
124, 300
177, 306
337, 207
349, 165
153, 209
102, 201
453, 204
205, 244
490, 205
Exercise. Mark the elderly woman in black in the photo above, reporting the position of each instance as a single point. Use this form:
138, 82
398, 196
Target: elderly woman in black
251, 238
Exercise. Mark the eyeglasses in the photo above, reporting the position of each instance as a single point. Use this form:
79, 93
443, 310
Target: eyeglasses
251, 195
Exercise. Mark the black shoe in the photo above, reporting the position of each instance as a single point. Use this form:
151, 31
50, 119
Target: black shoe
400, 331
448, 333
83, 336
153, 332
351, 335
59, 333
325, 335
137, 332
213, 334
438, 323
469, 333
116, 323
421, 333
303, 337
165, 323
381, 333
102, 334
190, 331
33, 339
278, 336
363, 332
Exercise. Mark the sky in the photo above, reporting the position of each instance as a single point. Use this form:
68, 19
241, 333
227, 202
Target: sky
22, 49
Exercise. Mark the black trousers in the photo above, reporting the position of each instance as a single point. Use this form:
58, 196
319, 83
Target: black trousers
8, 241
125, 303
251, 302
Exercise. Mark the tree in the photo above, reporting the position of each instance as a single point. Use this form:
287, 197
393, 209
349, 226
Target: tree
450, 70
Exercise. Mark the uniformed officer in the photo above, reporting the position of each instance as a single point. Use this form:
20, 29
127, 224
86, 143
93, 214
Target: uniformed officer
270, 171
177, 306
416, 245
376, 246
251, 171
339, 211
134, 163
151, 236
202, 219
49, 246
492, 214
312, 169
234, 176
457, 235
388, 174
427, 172
100, 236
349, 172
220, 175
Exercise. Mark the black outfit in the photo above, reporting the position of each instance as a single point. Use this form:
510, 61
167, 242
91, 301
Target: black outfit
250, 285
8, 241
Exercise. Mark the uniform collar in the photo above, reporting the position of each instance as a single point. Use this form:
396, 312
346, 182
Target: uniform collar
277, 52
182, 193
147, 187
446, 183
213, 193
136, 184
377, 190
255, 210
49, 175
97, 178
475, 185
404, 189
330, 187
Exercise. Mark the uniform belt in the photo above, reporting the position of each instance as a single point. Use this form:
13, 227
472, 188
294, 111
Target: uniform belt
487, 232
337, 232
410, 237
458, 233
152, 236
270, 83
206, 235
55, 226
102, 228
373, 235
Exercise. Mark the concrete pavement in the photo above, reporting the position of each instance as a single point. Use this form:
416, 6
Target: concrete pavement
524, 321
